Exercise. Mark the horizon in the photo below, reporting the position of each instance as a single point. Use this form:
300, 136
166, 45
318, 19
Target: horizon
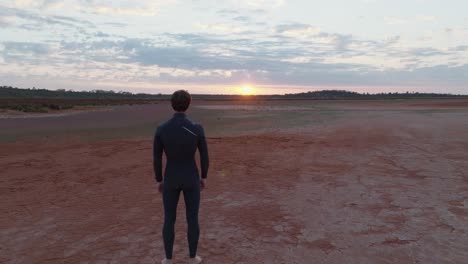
232, 94
261, 47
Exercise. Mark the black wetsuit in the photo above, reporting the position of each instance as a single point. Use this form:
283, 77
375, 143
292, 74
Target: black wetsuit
179, 138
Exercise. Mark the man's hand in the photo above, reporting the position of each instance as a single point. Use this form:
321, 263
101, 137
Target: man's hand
202, 184
160, 186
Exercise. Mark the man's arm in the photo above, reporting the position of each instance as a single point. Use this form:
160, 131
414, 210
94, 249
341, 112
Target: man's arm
203, 149
157, 156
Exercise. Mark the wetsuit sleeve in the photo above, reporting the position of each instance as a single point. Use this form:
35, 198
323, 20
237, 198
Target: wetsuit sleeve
203, 149
157, 155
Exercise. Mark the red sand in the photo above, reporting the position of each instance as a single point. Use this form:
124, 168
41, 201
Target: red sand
365, 190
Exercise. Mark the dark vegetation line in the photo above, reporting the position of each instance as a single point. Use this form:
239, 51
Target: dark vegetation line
43, 100
13, 92
341, 94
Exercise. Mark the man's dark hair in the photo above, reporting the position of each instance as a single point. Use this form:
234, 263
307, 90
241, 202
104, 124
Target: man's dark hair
180, 100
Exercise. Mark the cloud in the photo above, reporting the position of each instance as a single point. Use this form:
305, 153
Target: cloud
12, 47
297, 29
242, 18
122, 7
426, 52
460, 48
258, 11
43, 20
228, 12
395, 21
256, 4
389, 20
342, 42
224, 28
437, 75
27, 52
195, 52
5, 21
115, 24
241, 13
232, 46
426, 18
40, 4
282, 57
102, 7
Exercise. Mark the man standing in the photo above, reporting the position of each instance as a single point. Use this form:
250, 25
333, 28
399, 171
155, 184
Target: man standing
179, 138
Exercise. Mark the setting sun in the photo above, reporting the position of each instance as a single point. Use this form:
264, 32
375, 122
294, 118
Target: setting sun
247, 90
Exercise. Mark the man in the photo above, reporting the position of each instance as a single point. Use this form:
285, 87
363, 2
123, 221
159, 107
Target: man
179, 138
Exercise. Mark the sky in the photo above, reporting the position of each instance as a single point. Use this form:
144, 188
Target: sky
235, 46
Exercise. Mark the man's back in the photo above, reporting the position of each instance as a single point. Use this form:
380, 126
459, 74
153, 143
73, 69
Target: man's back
179, 138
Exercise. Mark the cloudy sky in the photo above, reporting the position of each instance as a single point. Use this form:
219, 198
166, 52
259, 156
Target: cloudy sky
208, 46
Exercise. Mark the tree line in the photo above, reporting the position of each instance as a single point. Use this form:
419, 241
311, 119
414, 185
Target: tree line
13, 92
338, 94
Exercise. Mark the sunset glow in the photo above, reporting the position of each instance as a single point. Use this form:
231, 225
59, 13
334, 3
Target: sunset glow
247, 90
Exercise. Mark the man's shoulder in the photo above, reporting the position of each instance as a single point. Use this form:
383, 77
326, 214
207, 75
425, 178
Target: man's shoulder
163, 125
194, 123
195, 126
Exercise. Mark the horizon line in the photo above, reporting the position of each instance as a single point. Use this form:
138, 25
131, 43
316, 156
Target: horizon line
234, 94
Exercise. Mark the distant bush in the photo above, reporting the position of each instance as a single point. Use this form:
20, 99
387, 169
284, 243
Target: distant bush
67, 106
58, 106
54, 106
30, 108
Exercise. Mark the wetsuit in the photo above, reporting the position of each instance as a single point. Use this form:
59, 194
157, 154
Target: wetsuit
179, 138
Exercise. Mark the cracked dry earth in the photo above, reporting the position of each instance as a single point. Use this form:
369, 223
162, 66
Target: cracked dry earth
390, 190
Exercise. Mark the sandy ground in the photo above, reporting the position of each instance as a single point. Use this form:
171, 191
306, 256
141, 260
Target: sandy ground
367, 187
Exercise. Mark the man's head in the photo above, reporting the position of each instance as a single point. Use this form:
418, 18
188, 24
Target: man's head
180, 100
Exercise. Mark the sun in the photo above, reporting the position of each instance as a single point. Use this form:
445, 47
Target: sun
247, 90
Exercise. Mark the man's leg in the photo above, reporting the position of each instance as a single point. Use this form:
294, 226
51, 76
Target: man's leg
170, 200
192, 204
